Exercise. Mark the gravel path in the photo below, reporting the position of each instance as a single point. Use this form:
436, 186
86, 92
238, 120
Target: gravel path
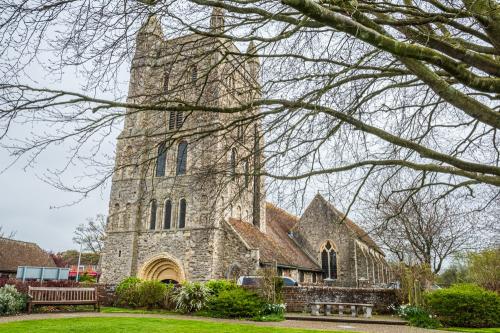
365, 328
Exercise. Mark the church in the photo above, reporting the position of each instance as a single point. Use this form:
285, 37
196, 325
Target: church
188, 200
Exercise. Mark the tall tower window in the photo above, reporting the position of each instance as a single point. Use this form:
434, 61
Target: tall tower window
152, 215
240, 134
161, 160
182, 158
171, 120
179, 119
166, 77
167, 218
182, 213
247, 175
175, 119
233, 163
329, 261
194, 74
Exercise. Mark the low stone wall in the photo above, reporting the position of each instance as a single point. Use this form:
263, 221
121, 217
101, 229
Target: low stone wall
298, 298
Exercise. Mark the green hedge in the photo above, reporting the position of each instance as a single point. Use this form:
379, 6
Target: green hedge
135, 293
215, 287
465, 305
235, 303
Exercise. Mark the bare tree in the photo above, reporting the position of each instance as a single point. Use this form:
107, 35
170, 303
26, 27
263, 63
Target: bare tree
4, 234
420, 231
349, 91
91, 235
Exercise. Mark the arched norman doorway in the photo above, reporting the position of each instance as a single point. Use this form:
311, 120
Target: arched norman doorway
162, 267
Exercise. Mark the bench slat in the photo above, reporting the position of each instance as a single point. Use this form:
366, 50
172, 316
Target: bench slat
62, 296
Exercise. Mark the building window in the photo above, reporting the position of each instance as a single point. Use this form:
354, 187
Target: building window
171, 120
314, 277
175, 119
161, 160
116, 218
233, 163
152, 215
166, 77
167, 218
329, 261
301, 276
247, 175
182, 158
194, 73
240, 134
182, 213
179, 119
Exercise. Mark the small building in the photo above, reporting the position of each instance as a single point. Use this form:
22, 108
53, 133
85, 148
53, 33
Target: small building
15, 253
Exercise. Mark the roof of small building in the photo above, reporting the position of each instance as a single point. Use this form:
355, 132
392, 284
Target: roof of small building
14, 253
275, 245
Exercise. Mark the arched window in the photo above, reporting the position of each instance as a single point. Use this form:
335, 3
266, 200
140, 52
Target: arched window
175, 119
240, 134
182, 158
182, 214
194, 73
171, 120
167, 216
179, 119
152, 215
166, 77
126, 216
301, 276
247, 175
233, 163
161, 160
329, 261
116, 218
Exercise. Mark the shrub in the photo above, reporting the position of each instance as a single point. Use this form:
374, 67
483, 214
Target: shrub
169, 301
191, 297
274, 309
417, 316
465, 305
152, 294
11, 301
235, 303
483, 269
86, 278
215, 287
127, 292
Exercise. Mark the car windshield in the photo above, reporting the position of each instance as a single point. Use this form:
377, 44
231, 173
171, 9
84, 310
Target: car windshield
288, 282
250, 281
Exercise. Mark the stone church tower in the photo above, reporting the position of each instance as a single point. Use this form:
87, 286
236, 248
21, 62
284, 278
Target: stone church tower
179, 175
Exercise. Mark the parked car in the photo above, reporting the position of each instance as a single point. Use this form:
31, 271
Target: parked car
254, 281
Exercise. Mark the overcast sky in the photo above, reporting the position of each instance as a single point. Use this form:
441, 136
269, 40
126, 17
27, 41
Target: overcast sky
34, 209
26, 203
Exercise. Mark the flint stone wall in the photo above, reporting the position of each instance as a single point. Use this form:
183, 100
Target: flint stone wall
297, 299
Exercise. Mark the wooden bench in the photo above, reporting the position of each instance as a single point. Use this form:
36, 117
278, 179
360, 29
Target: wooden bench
316, 306
62, 296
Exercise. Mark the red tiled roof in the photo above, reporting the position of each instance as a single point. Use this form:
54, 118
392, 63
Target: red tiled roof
14, 253
275, 244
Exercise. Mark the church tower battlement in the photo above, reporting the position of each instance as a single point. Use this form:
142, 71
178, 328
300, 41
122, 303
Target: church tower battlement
179, 174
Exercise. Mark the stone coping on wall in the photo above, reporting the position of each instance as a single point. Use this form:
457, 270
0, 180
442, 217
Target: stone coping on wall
299, 298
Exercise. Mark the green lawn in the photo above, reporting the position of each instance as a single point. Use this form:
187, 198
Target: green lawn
125, 325
109, 309
473, 330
